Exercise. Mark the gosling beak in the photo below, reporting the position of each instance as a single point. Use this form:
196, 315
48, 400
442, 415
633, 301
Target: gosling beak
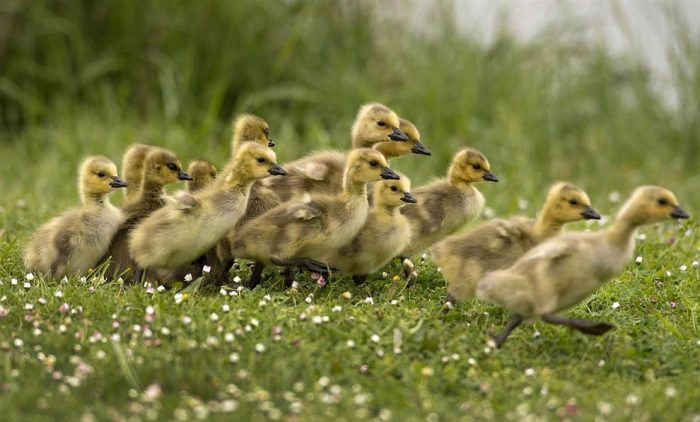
490, 177
388, 173
277, 170
421, 149
407, 197
181, 175
270, 143
118, 183
679, 212
398, 135
590, 214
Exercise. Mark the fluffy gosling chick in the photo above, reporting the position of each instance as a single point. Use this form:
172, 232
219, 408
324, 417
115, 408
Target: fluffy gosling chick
203, 174
300, 232
385, 233
447, 204
160, 167
132, 168
74, 242
397, 149
184, 230
562, 271
247, 128
322, 172
498, 243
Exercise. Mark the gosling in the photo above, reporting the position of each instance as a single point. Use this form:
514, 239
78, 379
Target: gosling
300, 232
160, 167
497, 244
203, 174
386, 232
447, 204
184, 230
562, 271
72, 243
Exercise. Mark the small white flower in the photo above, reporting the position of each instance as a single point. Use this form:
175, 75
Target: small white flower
670, 392
385, 274
696, 264
115, 337
161, 288
638, 260
188, 277
212, 341
223, 292
27, 285
236, 279
471, 361
337, 308
601, 363
206, 269
186, 320
295, 285
83, 279
214, 316
615, 305
29, 276
614, 197
58, 293
19, 342
233, 293
316, 319
28, 306
529, 372
323, 381
13, 281
536, 334
374, 338
325, 318
683, 268
225, 307
308, 300
632, 399
489, 212
669, 273
394, 302
259, 347
424, 256
642, 236
350, 343
233, 357
150, 310
369, 300
165, 331
42, 300
523, 204
255, 322
229, 337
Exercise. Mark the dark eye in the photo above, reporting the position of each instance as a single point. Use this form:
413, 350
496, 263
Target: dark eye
172, 166
394, 188
573, 202
662, 201
101, 174
266, 131
476, 166
261, 160
381, 123
374, 163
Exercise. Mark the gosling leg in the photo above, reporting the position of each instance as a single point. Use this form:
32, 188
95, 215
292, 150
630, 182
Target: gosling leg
510, 326
308, 263
359, 279
593, 328
255, 275
289, 273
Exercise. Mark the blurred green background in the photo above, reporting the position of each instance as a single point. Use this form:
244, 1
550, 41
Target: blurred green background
83, 77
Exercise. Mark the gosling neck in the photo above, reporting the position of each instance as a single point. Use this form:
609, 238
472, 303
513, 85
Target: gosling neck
459, 183
546, 226
151, 189
622, 230
93, 199
353, 188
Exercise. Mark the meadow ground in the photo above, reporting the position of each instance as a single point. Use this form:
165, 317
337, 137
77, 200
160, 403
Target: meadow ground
84, 77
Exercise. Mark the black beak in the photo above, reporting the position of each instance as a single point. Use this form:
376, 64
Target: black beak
277, 170
679, 212
490, 177
181, 175
388, 173
398, 135
419, 148
270, 143
118, 183
590, 214
407, 197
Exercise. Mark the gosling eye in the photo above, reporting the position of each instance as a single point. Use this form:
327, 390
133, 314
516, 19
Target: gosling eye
172, 166
266, 131
394, 188
476, 166
374, 163
261, 160
662, 201
573, 202
381, 123
101, 174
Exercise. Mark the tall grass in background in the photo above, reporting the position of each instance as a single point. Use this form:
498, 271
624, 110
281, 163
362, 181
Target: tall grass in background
78, 77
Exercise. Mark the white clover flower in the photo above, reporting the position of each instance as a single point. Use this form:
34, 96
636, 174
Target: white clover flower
19, 342
225, 307
471, 361
150, 310
214, 316
259, 347
374, 338
165, 331
615, 305
683, 268
233, 357
385, 274
601, 363
308, 300
229, 337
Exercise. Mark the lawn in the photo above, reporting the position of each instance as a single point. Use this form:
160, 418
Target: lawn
85, 78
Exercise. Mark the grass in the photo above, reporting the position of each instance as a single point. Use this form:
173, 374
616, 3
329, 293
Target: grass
554, 107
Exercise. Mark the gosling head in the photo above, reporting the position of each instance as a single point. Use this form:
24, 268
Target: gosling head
651, 204
253, 161
567, 202
366, 165
98, 177
162, 167
376, 123
413, 146
250, 128
203, 174
469, 166
394, 193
